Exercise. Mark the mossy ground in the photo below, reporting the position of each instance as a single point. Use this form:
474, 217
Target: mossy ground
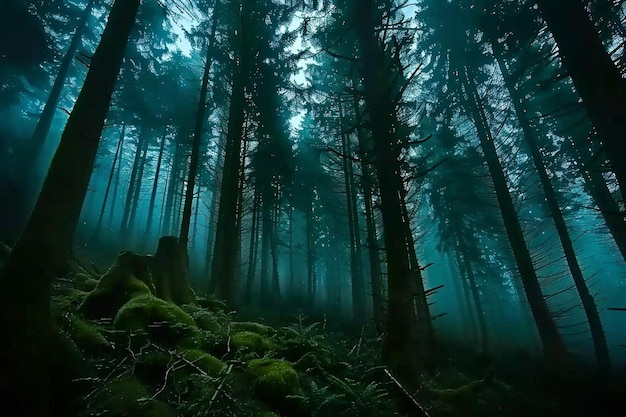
157, 359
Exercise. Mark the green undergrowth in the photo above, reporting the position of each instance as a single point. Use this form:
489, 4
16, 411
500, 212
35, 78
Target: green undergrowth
153, 358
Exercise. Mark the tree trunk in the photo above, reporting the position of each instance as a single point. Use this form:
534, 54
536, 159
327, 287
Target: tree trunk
217, 180
197, 139
595, 76
169, 272
356, 258
173, 182
466, 265
111, 173
155, 186
370, 222
139, 182
42, 129
41, 252
400, 347
310, 254
266, 220
226, 239
553, 345
133, 183
292, 277
275, 293
588, 302
426, 333
463, 297
115, 188
599, 191
166, 188
254, 244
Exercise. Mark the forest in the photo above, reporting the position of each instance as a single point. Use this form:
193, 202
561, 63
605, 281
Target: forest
311, 208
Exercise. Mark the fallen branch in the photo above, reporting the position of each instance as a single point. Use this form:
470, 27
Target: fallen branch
617, 309
413, 401
220, 387
181, 358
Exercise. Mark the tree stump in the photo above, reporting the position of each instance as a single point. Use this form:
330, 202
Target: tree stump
127, 278
169, 272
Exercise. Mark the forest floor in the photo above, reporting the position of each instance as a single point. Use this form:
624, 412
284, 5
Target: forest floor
152, 358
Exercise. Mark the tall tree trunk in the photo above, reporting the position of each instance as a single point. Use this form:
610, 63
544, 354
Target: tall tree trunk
166, 188
275, 293
292, 277
111, 173
47, 115
226, 238
596, 78
553, 345
217, 180
425, 329
41, 252
356, 257
465, 264
139, 182
174, 179
155, 185
463, 293
115, 188
266, 220
400, 347
367, 182
588, 302
133, 182
599, 191
310, 253
254, 244
197, 136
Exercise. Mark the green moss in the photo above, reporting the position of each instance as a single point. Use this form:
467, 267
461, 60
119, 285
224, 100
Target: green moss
86, 335
274, 379
253, 327
126, 279
83, 281
69, 301
212, 304
249, 341
163, 321
204, 361
126, 396
206, 320
265, 414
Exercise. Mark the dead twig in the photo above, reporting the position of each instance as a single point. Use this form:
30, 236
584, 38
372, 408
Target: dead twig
413, 401
220, 386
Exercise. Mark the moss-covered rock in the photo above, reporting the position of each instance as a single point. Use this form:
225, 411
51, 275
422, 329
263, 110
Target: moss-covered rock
86, 335
164, 322
129, 277
204, 361
83, 281
275, 379
126, 396
212, 304
249, 341
215, 323
253, 327
67, 301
